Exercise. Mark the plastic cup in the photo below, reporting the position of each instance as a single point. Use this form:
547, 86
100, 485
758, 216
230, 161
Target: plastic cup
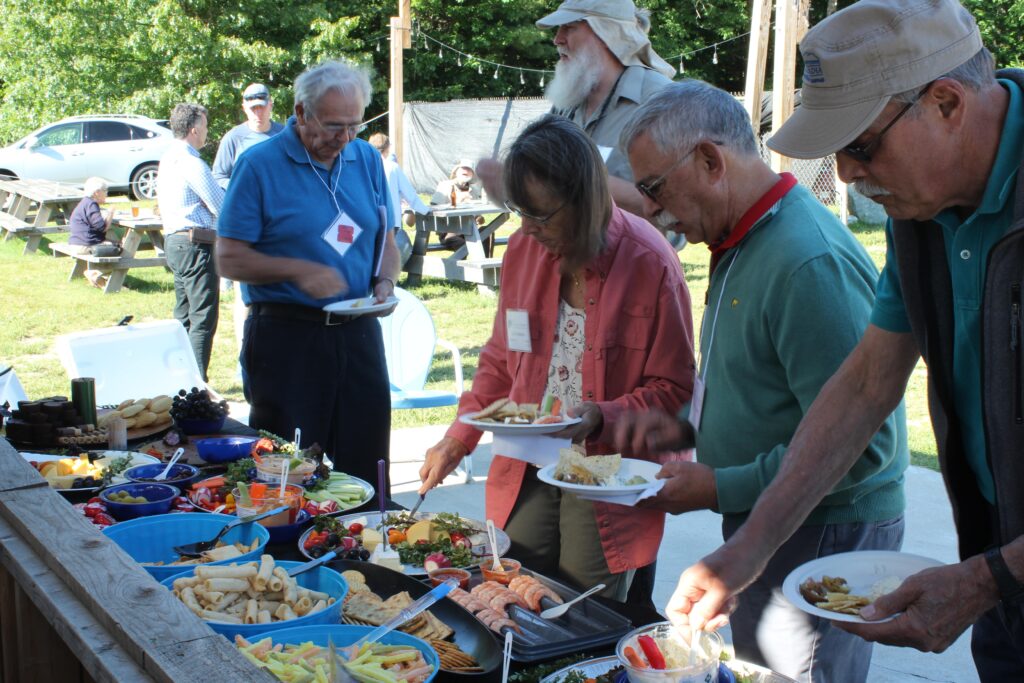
135, 212
293, 497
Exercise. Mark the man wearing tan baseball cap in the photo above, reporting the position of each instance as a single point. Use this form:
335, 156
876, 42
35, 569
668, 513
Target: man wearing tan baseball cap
907, 97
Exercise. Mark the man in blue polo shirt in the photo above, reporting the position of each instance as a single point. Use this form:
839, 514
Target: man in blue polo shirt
305, 224
906, 94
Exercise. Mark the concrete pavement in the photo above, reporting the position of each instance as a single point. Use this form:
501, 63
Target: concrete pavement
929, 532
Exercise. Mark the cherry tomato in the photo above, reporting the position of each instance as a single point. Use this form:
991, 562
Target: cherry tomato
103, 519
93, 509
355, 528
460, 541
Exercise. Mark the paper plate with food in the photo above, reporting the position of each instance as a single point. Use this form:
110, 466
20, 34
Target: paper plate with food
507, 417
361, 306
836, 587
603, 478
411, 545
86, 470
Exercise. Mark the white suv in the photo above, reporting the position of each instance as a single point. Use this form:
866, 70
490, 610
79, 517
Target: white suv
123, 149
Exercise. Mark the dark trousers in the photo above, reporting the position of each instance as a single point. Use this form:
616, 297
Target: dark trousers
330, 381
196, 291
997, 643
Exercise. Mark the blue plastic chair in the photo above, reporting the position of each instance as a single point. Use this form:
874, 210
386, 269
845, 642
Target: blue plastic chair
409, 344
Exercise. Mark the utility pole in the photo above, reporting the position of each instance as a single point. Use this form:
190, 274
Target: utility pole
401, 40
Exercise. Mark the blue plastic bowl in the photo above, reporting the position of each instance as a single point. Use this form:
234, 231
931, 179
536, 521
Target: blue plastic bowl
225, 448
343, 635
182, 476
160, 496
152, 539
287, 533
191, 426
320, 579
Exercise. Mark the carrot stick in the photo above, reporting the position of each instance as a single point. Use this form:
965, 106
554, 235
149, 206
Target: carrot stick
258, 490
634, 658
212, 483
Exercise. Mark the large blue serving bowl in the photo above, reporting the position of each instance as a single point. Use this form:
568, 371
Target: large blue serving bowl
225, 448
144, 474
152, 539
320, 579
160, 496
343, 635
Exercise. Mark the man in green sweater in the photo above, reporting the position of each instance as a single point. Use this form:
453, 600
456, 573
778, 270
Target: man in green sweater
790, 294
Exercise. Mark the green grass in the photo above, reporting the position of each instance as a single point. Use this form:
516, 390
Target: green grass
39, 304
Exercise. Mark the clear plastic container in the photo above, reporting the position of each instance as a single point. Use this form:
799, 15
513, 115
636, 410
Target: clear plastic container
270, 466
293, 497
676, 650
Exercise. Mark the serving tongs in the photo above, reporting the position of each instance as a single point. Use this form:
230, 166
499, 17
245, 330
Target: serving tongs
197, 549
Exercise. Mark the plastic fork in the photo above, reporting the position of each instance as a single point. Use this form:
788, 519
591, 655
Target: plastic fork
492, 536
559, 610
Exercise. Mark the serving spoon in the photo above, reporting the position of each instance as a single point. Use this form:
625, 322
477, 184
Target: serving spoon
174, 459
197, 549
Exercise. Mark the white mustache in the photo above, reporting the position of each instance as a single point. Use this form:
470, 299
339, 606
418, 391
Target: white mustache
870, 191
664, 220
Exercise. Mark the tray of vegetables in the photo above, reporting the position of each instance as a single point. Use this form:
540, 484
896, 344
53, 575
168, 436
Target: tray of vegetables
412, 545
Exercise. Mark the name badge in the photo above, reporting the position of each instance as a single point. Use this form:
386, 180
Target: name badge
517, 330
697, 403
342, 233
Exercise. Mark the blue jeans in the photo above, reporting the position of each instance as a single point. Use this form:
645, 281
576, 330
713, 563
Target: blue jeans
997, 643
769, 631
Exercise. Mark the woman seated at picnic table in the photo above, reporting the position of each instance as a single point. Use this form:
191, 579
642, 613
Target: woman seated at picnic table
609, 329
89, 225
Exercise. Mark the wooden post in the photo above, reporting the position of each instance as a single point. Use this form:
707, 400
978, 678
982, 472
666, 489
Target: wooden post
784, 73
757, 59
401, 40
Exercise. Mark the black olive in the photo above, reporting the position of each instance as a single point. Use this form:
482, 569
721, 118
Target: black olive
333, 540
364, 554
316, 551
352, 554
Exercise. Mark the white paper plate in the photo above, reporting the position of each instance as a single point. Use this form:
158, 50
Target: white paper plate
513, 429
861, 569
360, 306
137, 459
622, 495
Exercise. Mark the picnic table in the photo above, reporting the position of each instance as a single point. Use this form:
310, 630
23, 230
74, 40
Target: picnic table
28, 205
471, 262
137, 232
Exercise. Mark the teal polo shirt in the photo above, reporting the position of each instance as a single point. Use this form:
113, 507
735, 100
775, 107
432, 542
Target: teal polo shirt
968, 243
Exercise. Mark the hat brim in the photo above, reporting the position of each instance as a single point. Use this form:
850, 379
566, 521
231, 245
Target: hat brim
258, 102
815, 133
560, 17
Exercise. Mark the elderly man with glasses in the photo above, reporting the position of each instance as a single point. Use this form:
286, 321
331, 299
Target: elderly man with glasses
906, 93
305, 227
789, 296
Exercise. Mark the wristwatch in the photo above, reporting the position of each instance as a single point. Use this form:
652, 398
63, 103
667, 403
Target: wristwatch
1010, 589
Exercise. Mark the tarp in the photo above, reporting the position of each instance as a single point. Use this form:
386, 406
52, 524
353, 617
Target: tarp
439, 135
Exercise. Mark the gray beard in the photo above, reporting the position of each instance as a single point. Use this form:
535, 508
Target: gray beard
574, 81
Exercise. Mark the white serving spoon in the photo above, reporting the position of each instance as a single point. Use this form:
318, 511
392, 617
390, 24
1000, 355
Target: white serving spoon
492, 536
559, 610
174, 459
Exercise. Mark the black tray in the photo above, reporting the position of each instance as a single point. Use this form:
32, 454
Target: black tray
470, 635
587, 624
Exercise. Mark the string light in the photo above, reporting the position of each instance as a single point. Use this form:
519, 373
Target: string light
441, 47
378, 46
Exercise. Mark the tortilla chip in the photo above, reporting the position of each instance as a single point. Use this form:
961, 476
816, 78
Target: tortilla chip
587, 470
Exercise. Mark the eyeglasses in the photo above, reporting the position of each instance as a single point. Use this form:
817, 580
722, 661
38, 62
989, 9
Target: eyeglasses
536, 219
653, 189
862, 153
345, 129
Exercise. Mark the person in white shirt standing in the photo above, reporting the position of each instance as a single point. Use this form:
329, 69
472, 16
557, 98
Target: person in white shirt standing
190, 200
400, 189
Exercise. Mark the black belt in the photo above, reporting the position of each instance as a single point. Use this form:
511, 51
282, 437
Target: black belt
304, 313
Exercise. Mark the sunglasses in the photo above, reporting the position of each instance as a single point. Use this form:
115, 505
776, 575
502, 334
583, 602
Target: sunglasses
862, 153
542, 220
261, 98
653, 189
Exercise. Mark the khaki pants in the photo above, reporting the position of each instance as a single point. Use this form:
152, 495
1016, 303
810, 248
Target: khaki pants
555, 534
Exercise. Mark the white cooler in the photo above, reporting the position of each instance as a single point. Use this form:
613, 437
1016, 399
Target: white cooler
132, 361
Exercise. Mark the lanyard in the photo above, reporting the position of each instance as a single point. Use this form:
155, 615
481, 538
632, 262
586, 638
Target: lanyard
323, 182
604, 107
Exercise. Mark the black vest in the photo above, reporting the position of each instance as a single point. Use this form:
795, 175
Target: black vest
927, 293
